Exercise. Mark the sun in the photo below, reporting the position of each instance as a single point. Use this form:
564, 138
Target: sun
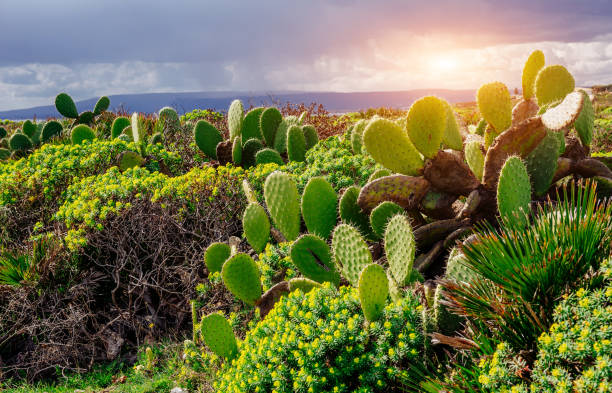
444, 63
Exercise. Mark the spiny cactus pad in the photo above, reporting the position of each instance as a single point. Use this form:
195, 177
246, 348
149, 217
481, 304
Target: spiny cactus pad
313, 259
445, 321
564, 114
4, 153
523, 110
319, 207
207, 137
269, 122
215, 256
457, 270
19, 142
236, 151
137, 132
390, 146
65, 106
542, 163
169, 116
82, 133
282, 199
101, 106
242, 278
475, 158
553, 83
426, 122
280, 138
29, 128
514, 191
50, 129
267, 156
311, 135
373, 290
350, 212
357, 135
303, 284
533, 65
156, 138
218, 336
250, 125
296, 144
118, 126
235, 116
495, 105
400, 248
350, 252
451, 137
256, 226
585, 123
249, 151
381, 215
377, 174
3, 132
406, 191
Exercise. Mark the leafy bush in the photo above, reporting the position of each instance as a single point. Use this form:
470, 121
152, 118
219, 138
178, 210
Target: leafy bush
275, 265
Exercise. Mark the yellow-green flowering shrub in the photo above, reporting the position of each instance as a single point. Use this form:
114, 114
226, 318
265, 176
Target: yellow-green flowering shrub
275, 264
319, 342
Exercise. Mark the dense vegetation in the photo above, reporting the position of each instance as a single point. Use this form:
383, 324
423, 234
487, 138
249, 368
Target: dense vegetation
443, 249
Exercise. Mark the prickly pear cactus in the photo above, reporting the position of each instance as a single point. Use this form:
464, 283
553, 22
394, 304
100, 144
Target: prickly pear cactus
381, 214
235, 116
533, 65
236, 151
357, 135
351, 252
541, 163
251, 127
137, 133
269, 122
426, 122
585, 123
267, 156
207, 137
169, 116
302, 284
256, 226
5, 154
311, 135
280, 138
249, 151
282, 199
400, 248
373, 290
215, 256
130, 159
101, 105
119, 124
81, 133
3, 133
29, 128
65, 106
242, 278
475, 158
19, 142
296, 144
514, 191
495, 105
350, 212
319, 204
157, 138
389, 145
445, 321
451, 137
552, 84
50, 129
456, 269
218, 336
378, 174
313, 259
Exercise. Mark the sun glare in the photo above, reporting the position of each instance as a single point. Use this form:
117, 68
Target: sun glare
444, 63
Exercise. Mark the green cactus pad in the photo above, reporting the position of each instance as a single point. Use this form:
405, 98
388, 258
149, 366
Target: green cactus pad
296, 144
101, 106
242, 278
248, 191
381, 215
552, 84
3, 133
130, 159
137, 132
19, 142
269, 122
351, 213
235, 117
50, 129
533, 65
267, 156
451, 137
29, 128
541, 163
236, 151
475, 158
86, 117
389, 145
373, 291
311, 135
400, 248
427, 119
249, 151
250, 125
118, 126
319, 207
312, 257
445, 321
514, 191
218, 336
280, 138
481, 127
282, 199
169, 116
65, 106
585, 123
5, 154
303, 284
457, 270
377, 174
357, 135
256, 226
157, 138
207, 137
350, 252
215, 256
81, 133
406, 191
495, 105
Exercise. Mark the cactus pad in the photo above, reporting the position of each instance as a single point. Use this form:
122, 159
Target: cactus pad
280, 138
256, 226
377, 174
251, 127
514, 191
457, 270
3, 133
129, 159
533, 65
65, 106
373, 291
389, 145
542, 163
19, 142
137, 133
445, 321
350, 252
249, 151
157, 138
303, 284
119, 124
169, 116
50, 129
236, 151
357, 135
400, 248
585, 123
475, 158
381, 215
495, 105
101, 106
82, 133
296, 144
4, 154
319, 204
406, 191
552, 84
269, 122
282, 199
564, 114
215, 256
481, 127
29, 128
242, 278
451, 137
311, 135
235, 117
218, 336
426, 122
312, 257
350, 212
207, 137
523, 110
267, 156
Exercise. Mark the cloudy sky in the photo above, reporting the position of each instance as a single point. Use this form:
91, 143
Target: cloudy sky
90, 48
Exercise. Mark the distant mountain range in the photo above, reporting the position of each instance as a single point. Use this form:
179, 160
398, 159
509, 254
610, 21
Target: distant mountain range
186, 102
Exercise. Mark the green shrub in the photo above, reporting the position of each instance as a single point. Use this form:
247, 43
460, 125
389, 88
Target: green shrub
275, 264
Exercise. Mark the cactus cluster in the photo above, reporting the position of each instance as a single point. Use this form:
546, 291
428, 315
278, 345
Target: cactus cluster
66, 107
261, 136
28, 137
